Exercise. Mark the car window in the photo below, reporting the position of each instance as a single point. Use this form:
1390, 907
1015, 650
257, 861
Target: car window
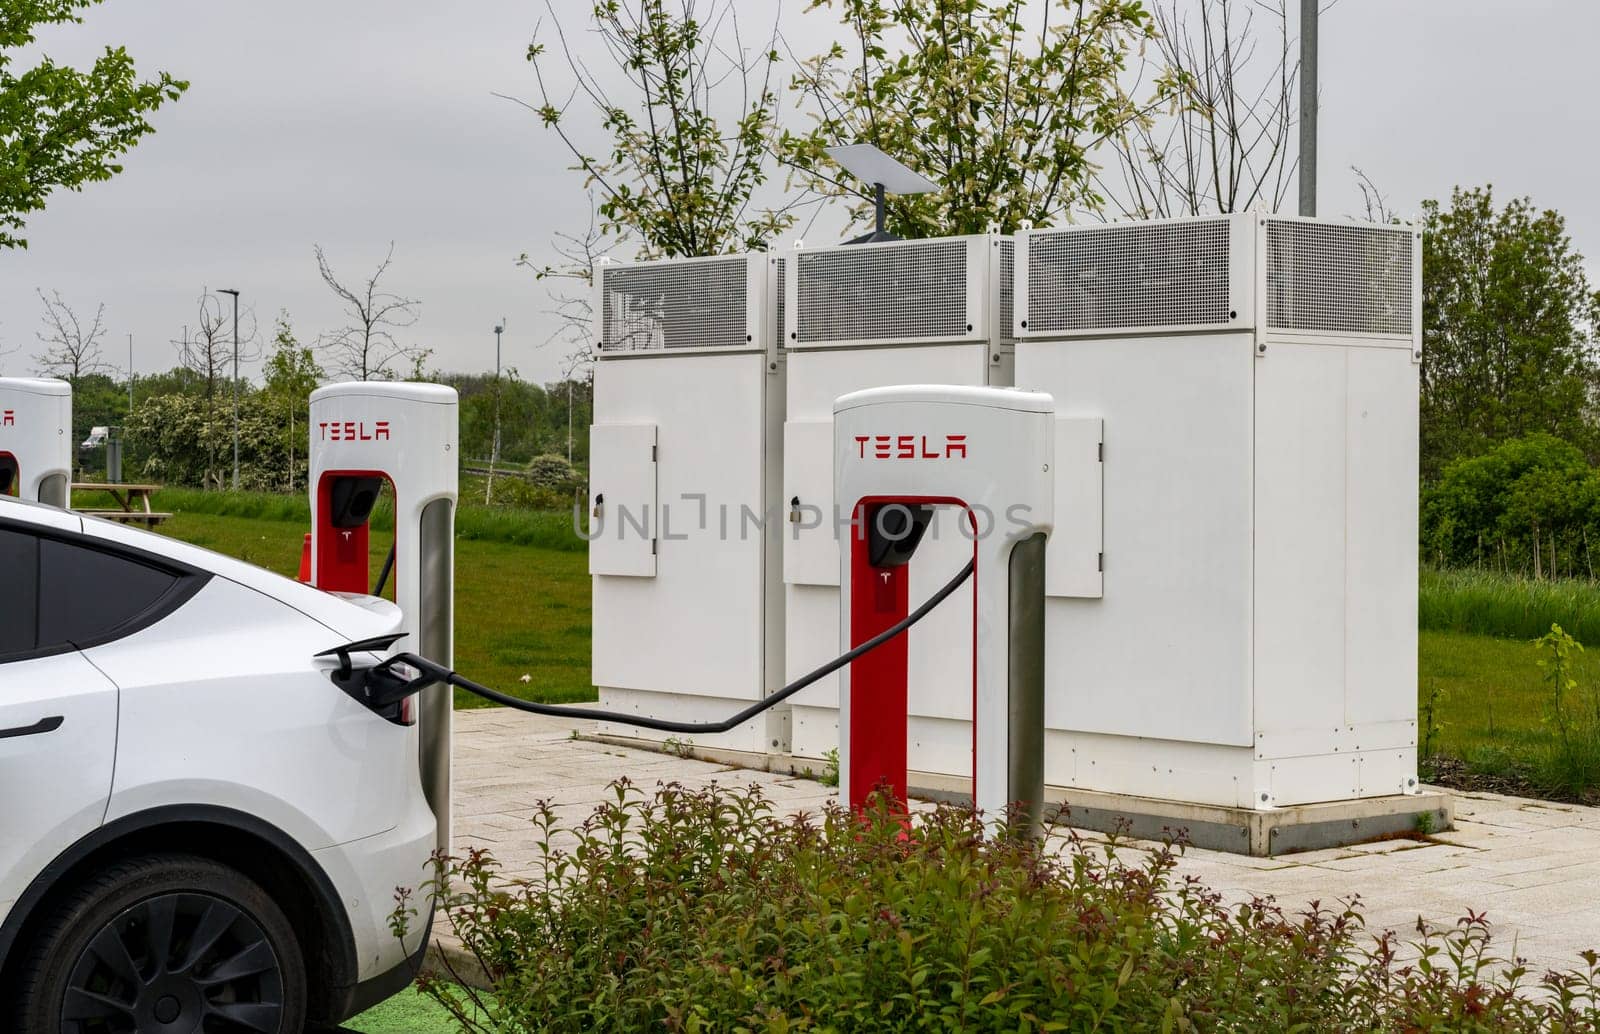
19, 601
87, 596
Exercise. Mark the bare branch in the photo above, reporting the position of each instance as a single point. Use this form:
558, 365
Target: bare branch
365, 348
1374, 201
1227, 145
208, 350
71, 349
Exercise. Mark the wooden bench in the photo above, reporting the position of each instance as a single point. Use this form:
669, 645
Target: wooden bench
148, 518
134, 500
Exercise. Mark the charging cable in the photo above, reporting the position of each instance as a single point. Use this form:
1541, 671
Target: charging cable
385, 683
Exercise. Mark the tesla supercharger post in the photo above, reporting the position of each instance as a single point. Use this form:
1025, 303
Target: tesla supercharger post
363, 434
898, 453
36, 439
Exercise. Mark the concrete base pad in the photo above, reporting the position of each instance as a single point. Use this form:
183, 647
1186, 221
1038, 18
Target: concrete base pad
1273, 831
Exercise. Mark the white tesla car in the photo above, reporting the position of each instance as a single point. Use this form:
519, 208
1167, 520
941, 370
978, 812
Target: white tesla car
202, 824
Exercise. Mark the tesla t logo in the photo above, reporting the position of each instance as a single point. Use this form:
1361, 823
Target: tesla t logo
8, 418
911, 446
353, 431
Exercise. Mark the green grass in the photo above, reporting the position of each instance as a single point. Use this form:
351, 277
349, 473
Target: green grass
1484, 603
406, 1013
520, 610
1492, 709
475, 522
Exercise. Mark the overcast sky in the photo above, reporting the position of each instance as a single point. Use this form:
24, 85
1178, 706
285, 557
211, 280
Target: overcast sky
358, 122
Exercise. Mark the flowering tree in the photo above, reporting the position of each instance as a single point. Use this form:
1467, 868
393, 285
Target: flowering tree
1001, 110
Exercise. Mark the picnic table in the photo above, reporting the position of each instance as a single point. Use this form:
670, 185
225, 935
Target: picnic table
134, 500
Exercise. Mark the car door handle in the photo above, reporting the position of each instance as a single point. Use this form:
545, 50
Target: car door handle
50, 724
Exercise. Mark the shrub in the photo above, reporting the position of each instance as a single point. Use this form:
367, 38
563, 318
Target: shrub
1571, 762
552, 472
520, 494
699, 910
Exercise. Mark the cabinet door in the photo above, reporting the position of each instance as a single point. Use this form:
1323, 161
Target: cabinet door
1072, 558
810, 544
622, 500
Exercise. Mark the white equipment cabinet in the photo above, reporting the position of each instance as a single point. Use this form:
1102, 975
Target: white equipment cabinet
861, 316
685, 473
36, 439
1249, 636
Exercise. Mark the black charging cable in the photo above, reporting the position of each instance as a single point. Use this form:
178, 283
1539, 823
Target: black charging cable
384, 683
383, 573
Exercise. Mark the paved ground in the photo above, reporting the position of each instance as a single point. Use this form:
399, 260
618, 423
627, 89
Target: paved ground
1532, 865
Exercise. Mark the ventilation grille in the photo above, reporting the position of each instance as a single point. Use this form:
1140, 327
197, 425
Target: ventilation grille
1155, 275
900, 292
1008, 291
782, 293
1343, 279
665, 305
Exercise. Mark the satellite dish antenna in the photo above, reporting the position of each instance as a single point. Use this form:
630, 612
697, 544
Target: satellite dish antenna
871, 165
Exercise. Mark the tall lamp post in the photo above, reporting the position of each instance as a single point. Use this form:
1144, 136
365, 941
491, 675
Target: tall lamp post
494, 451
1308, 107
235, 385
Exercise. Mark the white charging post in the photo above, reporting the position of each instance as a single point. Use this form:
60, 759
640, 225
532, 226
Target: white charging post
899, 453
363, 434
36, 439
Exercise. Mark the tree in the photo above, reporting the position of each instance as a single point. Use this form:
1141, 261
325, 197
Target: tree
208, 353
61, 127
1226, 143
365, 348
1004, 117
180, 437
678, 177
71, 348
1508, 322
572, 280
1527, 506
292, 374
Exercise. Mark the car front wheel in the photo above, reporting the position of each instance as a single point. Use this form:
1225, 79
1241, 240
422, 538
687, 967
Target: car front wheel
166, 944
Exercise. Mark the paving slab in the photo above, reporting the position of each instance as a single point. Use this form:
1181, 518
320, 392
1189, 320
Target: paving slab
1533, 866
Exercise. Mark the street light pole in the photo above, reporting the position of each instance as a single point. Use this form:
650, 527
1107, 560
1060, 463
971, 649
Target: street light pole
494, 452
1308, 107
235, 386
130, 375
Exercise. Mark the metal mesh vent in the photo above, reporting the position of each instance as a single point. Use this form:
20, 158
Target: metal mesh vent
900, 292
1155, 275
662, 305
1008, 291
1344, 279
783, 296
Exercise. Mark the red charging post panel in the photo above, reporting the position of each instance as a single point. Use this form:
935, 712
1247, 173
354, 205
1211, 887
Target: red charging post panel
879, 597
342, 558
